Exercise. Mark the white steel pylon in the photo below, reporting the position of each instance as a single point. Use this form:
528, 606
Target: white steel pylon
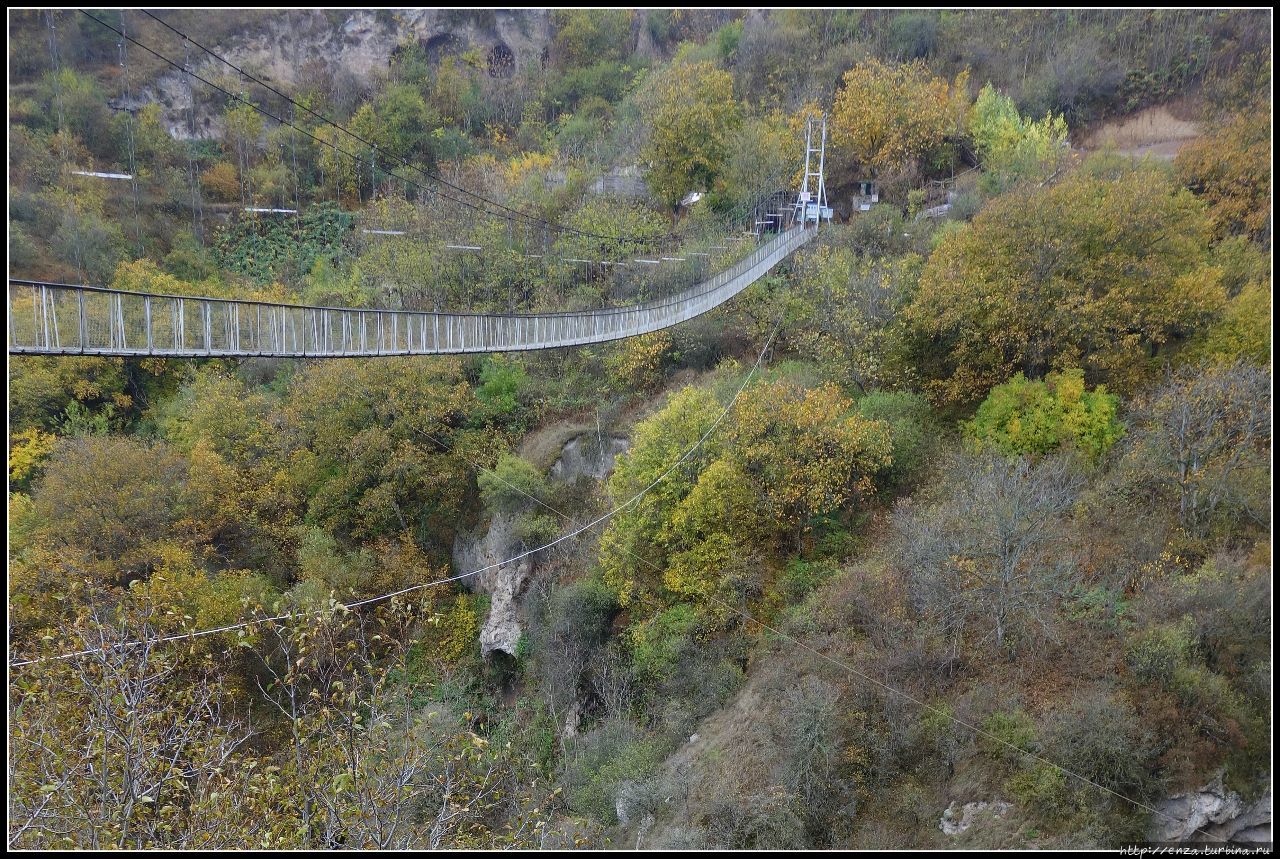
811, 204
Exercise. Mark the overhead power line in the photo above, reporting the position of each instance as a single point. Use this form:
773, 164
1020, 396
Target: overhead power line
356, 158
387, 155
531, 221
185, 636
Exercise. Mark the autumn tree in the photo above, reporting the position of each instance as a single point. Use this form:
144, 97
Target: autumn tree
1242, 333
381, 446
847, 305
1230, 167
1097, 272
42, 389
988, 562
586, 36
805, 450
1201, 441
694, 113
790, 454
889, 116
245, 500
114, 498
657, 443
131, 748
637, 363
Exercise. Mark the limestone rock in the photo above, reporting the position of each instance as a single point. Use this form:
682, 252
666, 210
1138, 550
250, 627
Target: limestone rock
284, 47
501, 628
583, 456
586, 456
1212, 813
957, 818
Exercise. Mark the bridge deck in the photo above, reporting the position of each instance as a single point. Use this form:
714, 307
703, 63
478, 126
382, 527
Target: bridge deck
58, 319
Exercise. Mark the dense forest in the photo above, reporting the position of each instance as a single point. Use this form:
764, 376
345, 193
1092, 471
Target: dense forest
953, 531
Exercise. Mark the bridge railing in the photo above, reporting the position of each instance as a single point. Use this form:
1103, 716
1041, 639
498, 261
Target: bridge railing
69, 319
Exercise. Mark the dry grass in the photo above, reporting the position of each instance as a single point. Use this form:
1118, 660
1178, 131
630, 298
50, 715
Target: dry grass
1155, 125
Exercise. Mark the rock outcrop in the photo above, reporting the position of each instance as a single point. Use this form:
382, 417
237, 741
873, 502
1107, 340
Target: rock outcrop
584, 456
957, 818
1211, 814
588, 456
360, 43
501, 628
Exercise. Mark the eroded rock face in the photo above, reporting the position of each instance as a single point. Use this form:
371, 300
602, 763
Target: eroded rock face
582, 457
501, 628
360, 43
1212, 813
588, 456
957, 818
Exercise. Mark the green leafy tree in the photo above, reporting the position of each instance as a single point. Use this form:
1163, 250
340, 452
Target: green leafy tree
694, 115
1012, 147
399, 122
512, 483
1023, 416
381, 446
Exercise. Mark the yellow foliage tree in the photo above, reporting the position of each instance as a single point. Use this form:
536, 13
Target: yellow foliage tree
694, 114
1231, 168
888, 115
28, 449
636, 365
1097, 272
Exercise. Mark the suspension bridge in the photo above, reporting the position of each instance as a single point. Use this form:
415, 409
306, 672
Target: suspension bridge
69, 319
636, 284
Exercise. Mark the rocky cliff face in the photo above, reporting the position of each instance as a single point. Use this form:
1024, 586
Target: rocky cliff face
582, 457
1212, 814
501, 628
587, 456
360, 43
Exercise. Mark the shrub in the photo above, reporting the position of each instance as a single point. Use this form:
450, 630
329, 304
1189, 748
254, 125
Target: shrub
1041, 787
762, 822
583, 609
512, 483
801, 577
1157, 654
1005, 729
1100, 737
537, 529
1022, 416
911, 429
656, 645
603, 760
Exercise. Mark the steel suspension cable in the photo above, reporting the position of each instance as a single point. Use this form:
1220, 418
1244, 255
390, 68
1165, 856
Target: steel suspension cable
605, 517
373, 146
